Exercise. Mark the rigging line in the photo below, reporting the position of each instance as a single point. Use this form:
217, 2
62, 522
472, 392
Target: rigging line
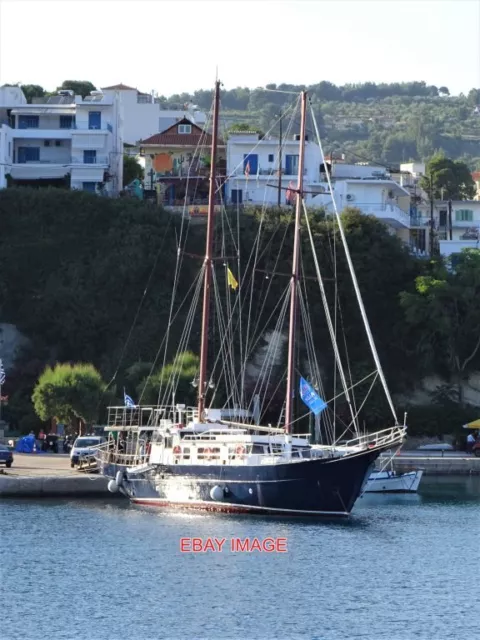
250, 352
273, 394
172, 383
164, 337
293, 93
255, 253
277, 259
272, 350
180, 254
346, 354
367, 395
306, 317
355, 283
142, 300
226, 349
338, 395
328, 315
275, 122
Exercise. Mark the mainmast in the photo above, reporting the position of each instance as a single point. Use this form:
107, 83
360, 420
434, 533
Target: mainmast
294, 278
202, 382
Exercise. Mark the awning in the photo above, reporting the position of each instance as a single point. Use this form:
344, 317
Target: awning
472, 425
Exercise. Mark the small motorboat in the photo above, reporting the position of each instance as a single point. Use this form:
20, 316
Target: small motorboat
392, 482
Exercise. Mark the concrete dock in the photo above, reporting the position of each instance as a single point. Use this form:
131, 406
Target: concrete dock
435, 463
48, 475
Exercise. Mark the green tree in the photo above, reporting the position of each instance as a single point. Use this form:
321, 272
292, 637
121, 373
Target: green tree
444, 310
132, 170
448, 178
68, 392
33, 91
182, 371
79, 87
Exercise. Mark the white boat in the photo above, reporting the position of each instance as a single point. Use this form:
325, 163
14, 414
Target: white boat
392, 482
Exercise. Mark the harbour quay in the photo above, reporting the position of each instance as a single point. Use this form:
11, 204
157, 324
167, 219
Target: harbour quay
434, 463
49, 475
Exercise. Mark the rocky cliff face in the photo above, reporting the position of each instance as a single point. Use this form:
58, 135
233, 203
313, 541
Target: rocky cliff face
11, 341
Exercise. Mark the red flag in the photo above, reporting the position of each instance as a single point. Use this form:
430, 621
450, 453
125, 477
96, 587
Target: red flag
247, 169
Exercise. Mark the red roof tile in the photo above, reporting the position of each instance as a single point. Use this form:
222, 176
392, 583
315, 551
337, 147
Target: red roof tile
171, 137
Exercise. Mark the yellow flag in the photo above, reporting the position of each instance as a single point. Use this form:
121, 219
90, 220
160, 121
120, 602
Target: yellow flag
231, 279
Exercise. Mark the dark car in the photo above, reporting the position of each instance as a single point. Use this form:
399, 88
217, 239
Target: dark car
6, 456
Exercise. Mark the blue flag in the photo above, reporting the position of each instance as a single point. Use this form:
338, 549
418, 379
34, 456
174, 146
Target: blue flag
311, 398
128, 400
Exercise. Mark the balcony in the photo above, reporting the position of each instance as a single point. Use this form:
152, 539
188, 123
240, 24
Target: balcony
39, 170
449, 247
266, 173
389, 213
98, 160
419, 221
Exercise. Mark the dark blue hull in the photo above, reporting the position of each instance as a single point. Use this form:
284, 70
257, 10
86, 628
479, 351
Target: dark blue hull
307, 487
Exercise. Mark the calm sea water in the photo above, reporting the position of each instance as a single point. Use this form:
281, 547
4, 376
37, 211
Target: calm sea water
402, 568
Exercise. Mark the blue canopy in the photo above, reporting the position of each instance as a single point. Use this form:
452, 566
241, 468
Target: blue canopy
26, 445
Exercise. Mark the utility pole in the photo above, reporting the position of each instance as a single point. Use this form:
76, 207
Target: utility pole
279, 202
431, 215
450, 224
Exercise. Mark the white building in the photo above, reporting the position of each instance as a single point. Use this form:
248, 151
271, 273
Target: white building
253, 167
63, 138
143, 115
465, 225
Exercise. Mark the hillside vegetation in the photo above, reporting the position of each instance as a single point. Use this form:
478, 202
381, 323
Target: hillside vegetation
89, 279
386, 123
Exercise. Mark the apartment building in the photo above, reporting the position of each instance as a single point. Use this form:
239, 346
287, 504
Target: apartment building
63, 140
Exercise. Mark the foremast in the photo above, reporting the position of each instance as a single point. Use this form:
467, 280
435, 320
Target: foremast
202, 382
295, 267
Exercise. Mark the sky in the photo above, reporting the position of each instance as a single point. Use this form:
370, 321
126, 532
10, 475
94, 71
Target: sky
172, 47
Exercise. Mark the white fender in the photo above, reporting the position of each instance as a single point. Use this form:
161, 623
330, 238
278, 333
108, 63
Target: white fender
216, 493
112, 486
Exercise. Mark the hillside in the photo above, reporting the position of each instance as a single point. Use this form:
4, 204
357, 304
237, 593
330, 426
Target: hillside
89, 279
385, 123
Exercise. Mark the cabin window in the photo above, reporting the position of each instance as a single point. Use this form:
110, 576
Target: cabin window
184, 128
186, 453
208, 453
258, 448
270, 157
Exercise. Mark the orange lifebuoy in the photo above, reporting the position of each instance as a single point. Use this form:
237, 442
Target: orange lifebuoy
177, 451
208, 454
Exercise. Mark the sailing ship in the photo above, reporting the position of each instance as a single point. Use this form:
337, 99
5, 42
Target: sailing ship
195, 457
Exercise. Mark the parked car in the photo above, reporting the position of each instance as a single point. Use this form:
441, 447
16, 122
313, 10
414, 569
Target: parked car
6, 456
84, 446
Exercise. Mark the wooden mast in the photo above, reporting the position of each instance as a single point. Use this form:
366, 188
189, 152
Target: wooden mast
202, 382
294, 278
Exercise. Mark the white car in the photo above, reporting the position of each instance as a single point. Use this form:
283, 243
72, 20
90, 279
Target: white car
84, 446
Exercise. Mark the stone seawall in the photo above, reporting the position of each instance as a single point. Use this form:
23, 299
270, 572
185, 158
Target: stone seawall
437, 465
53, 486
